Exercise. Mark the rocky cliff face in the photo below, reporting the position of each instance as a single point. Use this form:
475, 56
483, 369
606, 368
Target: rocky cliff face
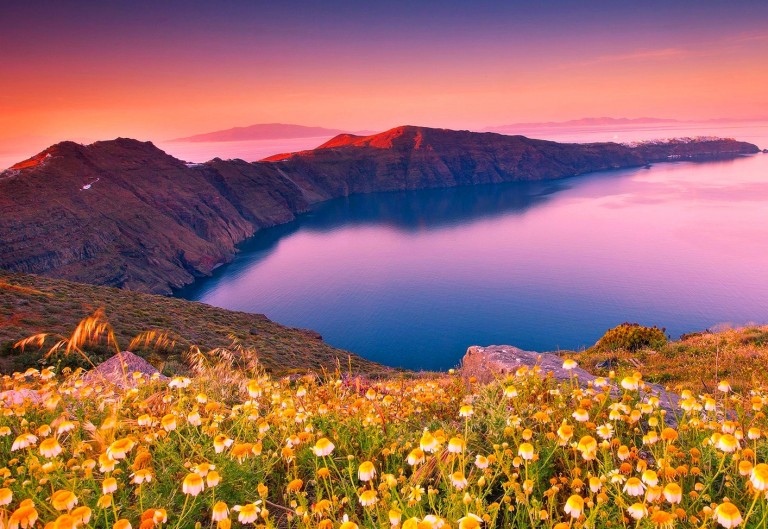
124, 213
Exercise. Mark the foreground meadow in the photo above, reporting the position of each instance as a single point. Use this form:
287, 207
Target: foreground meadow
240, 448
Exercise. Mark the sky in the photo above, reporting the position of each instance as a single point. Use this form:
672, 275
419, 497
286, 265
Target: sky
156, 70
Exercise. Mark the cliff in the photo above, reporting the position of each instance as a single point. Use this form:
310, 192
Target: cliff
123, 213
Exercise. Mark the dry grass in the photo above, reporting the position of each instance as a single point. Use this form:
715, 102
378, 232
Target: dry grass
697, 361
51, 308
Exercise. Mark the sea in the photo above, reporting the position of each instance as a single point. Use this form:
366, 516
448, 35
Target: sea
411, 279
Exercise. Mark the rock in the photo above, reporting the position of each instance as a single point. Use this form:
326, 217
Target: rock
119, 370
486, 364
17, 397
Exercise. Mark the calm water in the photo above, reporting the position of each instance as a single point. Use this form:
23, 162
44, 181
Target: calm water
412, 279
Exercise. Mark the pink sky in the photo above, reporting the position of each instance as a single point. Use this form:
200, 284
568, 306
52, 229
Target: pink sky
89, 71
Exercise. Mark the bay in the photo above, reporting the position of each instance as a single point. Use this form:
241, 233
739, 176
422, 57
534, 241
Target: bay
412, 279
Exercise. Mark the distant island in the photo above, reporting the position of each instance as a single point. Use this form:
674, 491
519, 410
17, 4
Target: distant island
583, 122
124, 213
263, 131
605, 122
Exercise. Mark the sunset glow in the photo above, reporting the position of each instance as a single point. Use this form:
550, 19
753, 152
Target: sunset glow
158, 70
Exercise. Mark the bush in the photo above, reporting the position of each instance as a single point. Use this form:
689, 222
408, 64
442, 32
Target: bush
631, 337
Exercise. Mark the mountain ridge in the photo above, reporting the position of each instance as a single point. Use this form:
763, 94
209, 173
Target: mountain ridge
261, 131
124, 213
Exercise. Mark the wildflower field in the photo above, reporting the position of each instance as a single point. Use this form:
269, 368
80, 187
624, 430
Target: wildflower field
336, 451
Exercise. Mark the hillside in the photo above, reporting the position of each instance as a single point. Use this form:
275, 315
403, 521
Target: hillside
123, 213
697, 361
32, 304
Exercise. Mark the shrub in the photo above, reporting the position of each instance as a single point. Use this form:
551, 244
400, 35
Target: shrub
632, 337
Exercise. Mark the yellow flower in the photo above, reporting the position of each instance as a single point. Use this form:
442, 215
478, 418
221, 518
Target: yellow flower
663, 519
367, 471
122, 523
416, 456
106, 463
168, 422
481, 461
212, 479
219, 512
193, 484
629, 383
565, 432
6, 496
669, 435
24, 517
254, 389
247, 513
727, 443
120, 448
221, 442
23, 441
50, 447
142, 476
109, 485
574, 506
569, 364
466, 411
637, 511
728, 515
525, 450
241, 450
456, 445
368, 498
605, 431
63, 500
295, 485
458, 480
634, 487
105, 501
428, 443
470, 521
323, 447
650, 478
588, 447
81, 515
759, 477
673, 493
64, 521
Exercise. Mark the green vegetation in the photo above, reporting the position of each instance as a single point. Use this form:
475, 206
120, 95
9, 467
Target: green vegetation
631, 337
697, 361
32, 304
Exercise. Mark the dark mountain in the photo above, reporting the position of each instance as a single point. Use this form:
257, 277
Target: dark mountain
263, 131
124, 213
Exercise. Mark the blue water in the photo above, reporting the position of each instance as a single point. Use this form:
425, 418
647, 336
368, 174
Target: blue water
412, 279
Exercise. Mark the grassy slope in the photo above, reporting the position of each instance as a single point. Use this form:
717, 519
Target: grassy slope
31, 304
697, 361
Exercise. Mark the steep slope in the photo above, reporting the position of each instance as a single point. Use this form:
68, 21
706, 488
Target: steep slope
124, 213
32, 304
